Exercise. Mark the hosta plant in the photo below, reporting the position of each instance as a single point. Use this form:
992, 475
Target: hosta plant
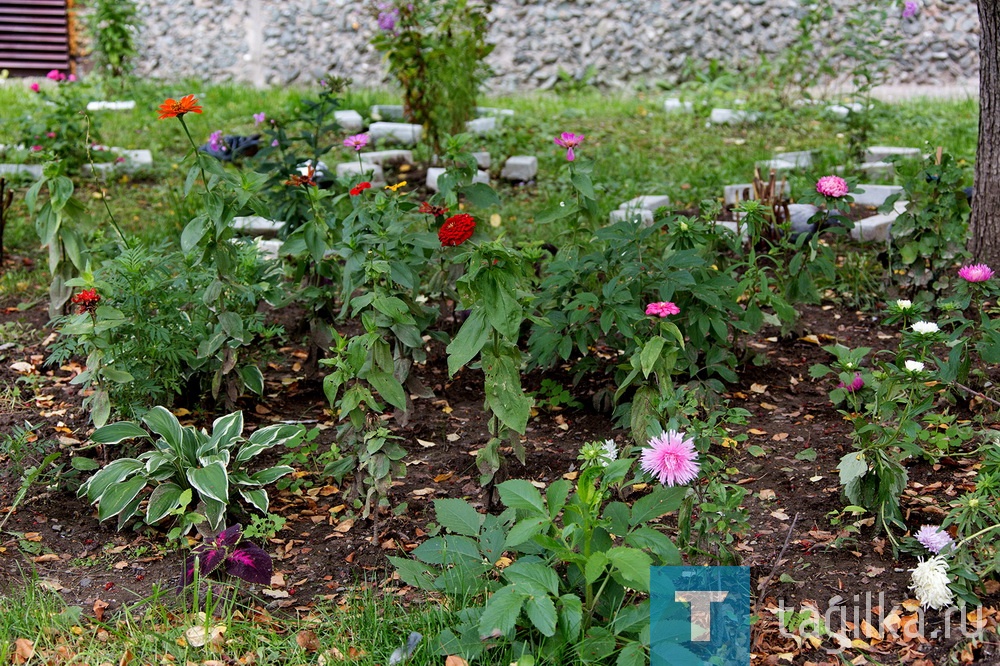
186, 465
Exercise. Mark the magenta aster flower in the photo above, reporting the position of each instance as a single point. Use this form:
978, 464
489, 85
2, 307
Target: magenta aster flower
855, 384
258, 118
910, 9
55, 75
72, 78
35, 87
36, 148
975, 273
671, 458
568, 140
387, 16
662, 309
357, 142
933, 538
215, 141
832, 186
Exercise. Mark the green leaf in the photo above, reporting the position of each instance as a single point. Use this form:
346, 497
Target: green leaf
257, 497
100, 406
468, 341
253, 378
596, 564
520, 494
480, 195
163, 423
570, 615
117, 376
193, 232
756, 451
533, 573
525, 530
806, 454
660, 502
388, 387
271, 474
504, 394
542, 613
501, 611
83, 464
210, 481
633, 565
164, 499
852, 466
650, 354
119, 496
632, 655
114, 472
458, 516
116, 432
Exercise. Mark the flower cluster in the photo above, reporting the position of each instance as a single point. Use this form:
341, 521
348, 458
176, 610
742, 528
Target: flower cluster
910, 8
662, 309
87, 300
387, 16
356, 142
856, 384
598, 454
975, 273
172, 108
933, 538
929, 581
215, 141
359, 188
456, 229
832, 186
671, 458
568, 140
56, 75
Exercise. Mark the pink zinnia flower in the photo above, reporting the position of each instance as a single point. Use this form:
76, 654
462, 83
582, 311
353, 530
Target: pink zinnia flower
35, 87
855, 385
357, 142
910, 9
975, 273
671, 458
662, 309
832, 186
933, 538
568, 140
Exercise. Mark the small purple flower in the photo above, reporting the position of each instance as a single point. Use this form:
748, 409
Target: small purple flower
569, 140
357, 142
933, 538
387, 17
215, 141
258, 118
910, 8
275, 144
855, 384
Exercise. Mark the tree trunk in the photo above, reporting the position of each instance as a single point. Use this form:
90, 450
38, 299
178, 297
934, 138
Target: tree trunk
984, 225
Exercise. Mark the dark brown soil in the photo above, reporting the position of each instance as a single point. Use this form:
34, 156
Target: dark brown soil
324, 546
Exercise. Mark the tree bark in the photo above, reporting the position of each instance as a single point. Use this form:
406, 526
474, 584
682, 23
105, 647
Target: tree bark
984, 224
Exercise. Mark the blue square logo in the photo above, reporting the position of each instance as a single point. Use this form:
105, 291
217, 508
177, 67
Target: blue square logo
699, 615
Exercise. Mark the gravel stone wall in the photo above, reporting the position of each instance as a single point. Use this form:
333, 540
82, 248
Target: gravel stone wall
272, 42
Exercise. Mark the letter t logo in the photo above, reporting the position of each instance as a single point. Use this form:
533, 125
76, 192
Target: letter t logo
701, 610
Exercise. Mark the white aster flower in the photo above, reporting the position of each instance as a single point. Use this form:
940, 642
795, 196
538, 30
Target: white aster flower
610, 452
904, 304
914, 366
929, 581
925, 327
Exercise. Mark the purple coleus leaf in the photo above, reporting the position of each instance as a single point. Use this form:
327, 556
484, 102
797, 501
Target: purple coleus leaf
208, 561
250, 563
229, 536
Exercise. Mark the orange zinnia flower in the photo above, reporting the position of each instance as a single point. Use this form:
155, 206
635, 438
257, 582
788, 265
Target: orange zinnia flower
173, 108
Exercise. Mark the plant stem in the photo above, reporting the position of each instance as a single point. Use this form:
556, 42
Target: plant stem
197, 155
104, 197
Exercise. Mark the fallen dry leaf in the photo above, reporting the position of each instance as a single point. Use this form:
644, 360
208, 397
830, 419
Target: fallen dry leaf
453, 437
99, 606
455, 660
426, 444
307, 640
126, 658
758, 388
23, 650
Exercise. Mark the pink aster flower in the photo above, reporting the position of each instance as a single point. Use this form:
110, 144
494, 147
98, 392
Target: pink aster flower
37, 148
72, 78
662, 309
258, 118
35, 87
568, 140
832, 186
671, 458
357, 142
975, 273
910, 9
55, 75
855, 384
933, 538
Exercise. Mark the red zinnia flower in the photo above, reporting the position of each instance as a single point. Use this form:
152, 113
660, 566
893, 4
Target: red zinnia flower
457, 229
87, 300
431, 209
173, 108
359, 188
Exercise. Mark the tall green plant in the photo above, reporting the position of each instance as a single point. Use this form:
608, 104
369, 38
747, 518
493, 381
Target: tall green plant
113, 26
436, 51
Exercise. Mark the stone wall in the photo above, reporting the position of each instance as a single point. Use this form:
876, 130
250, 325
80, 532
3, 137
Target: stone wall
277, 42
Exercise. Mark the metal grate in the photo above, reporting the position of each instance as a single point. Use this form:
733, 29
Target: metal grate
34, 36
